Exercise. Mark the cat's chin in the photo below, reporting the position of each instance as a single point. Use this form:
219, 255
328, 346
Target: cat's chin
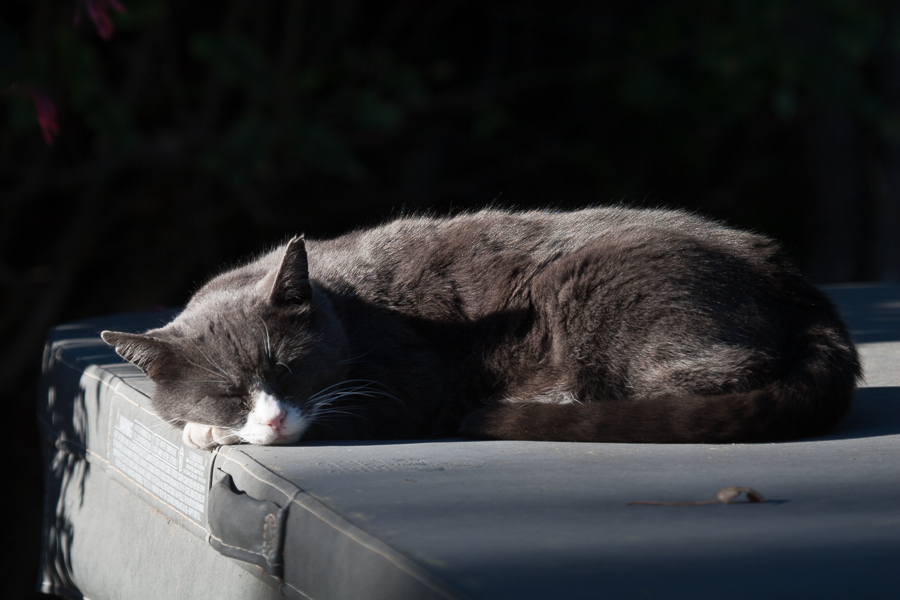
263, 437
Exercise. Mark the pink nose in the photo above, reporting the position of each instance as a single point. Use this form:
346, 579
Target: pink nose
277, 421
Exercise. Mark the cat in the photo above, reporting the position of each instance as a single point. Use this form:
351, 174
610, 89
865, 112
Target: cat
599, 325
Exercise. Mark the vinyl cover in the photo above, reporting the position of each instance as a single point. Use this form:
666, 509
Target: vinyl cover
130, 512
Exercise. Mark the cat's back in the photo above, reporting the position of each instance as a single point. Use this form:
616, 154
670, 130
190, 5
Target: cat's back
537, 232
473, 244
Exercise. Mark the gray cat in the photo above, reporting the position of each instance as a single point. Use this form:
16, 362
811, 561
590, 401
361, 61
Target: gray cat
605, 324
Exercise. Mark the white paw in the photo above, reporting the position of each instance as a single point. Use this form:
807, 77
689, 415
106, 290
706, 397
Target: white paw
207, 437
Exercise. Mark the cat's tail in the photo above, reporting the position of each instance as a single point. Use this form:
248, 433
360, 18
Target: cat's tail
809, 400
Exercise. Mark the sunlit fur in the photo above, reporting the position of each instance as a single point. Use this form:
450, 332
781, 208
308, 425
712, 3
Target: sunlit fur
604, 324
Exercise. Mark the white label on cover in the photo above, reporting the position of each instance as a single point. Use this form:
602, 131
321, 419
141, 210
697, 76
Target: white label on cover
168, 471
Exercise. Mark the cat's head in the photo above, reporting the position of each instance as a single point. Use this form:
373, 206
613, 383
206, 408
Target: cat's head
250, 354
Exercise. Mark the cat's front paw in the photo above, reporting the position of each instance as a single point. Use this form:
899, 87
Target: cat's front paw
207, 437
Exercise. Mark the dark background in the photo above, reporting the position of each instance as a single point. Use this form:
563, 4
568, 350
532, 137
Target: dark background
200, 133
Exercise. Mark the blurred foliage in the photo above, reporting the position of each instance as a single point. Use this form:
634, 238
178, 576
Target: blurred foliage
269, 89
259, 118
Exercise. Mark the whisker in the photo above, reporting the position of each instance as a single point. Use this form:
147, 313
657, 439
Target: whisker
204, 368
331, 413
268, 345
353, 359
193, 380
365, 391
163, 423
344, 394
220, 370
326, 390
211, 361
367, 384
327, 408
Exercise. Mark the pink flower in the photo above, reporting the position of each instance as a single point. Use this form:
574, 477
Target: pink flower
43, 105
46, 114
96, 10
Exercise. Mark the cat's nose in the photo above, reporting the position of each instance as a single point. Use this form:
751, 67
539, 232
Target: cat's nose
277, 421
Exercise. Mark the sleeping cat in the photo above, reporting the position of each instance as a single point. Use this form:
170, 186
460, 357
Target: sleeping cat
605, 325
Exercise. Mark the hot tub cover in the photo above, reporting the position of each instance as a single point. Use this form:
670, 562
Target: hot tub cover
130, 512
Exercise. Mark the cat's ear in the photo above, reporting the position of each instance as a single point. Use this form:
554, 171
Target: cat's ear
292, 281
151, 355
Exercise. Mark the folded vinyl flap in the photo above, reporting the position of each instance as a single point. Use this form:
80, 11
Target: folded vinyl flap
245, 527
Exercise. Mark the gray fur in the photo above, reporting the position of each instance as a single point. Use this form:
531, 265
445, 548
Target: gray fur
605, 324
